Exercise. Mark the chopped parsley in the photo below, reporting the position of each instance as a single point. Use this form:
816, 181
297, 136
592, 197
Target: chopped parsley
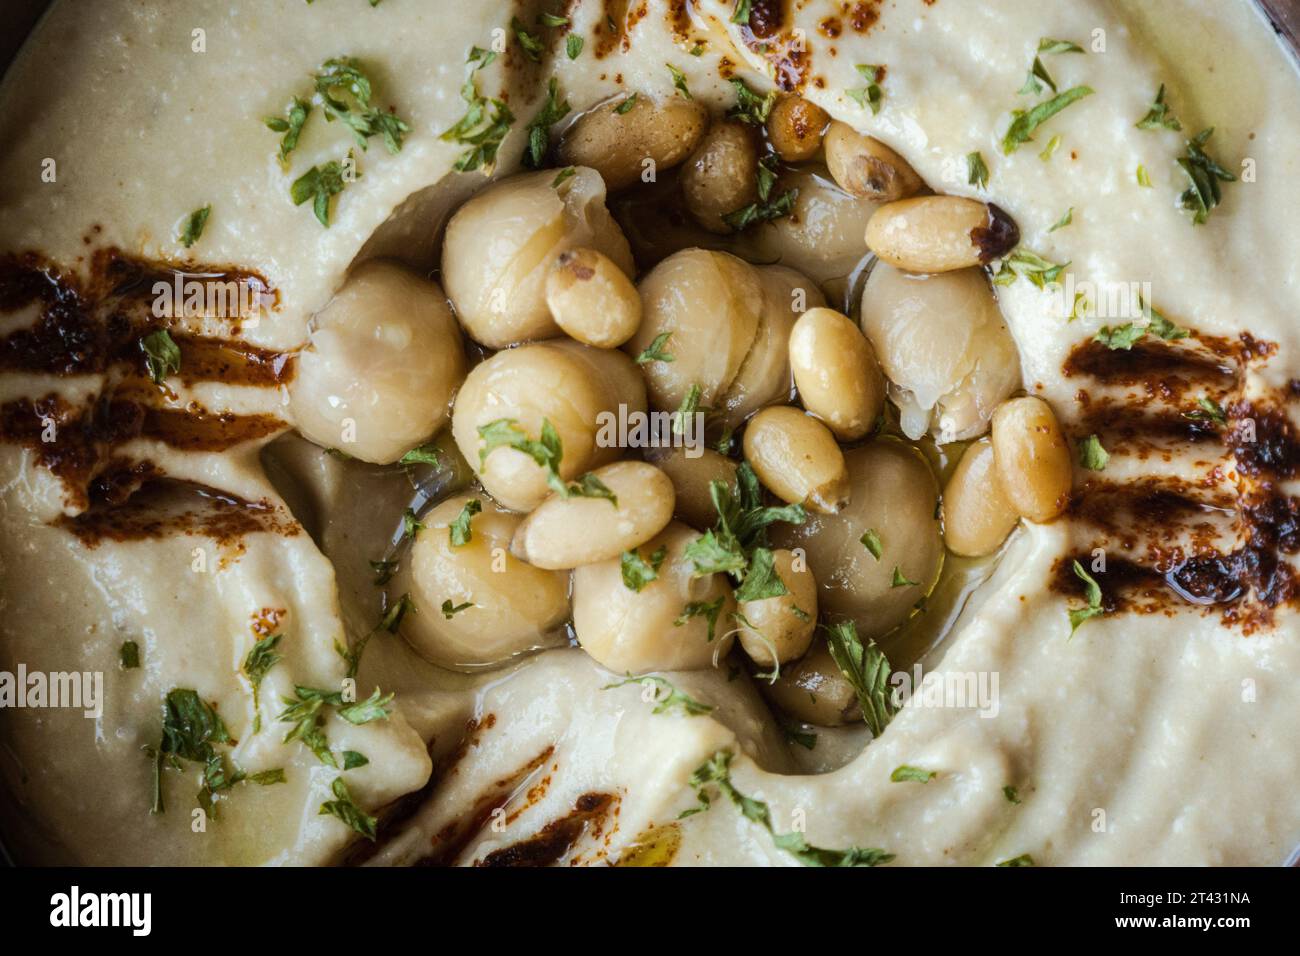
450, 610
1092, 593
866, 668
265, 778
766, 209
1208, 410
1143, 177
1157, 324
259, 660
562, 175
383, 570
194, 224
345, 808
737, 544
709, 610
319, 184
689, 406
1159, 116
423, 455
1120, 337
716, 771
352, 760
411, 525
871, 95
291, 126
573, 45
742, 12
161, 354
679, 81
1039, 72
625, 107
1205, 174
905, 774
1092, 455
750, 107
1066, 218
190, 728
485, 124
637, 571
128, 655
901, 580
672, 698
1025, 122
459, 532
1050, 149
1023, 860
977, 171
345, 76
554, 20
1011, 793
531, 45
547, 453
552, 111
655, 352
1031, 266
374, 707
871, 541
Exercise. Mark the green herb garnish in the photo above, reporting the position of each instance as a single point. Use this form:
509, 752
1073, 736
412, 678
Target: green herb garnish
866, 668
1092, 455
637, 571
194, 224
161, 354
672, 699
1025, 122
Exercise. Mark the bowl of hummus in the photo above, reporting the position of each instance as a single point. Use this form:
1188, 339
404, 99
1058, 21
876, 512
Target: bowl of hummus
679, 432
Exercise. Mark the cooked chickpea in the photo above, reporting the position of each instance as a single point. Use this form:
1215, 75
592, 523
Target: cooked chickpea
977, 517
866, 167
573, 531
514, 607
940, 233
795, 128
501, 245
710, 302
384, 359
944, 346
778, 629
721, 176
836, 373
1032, 458
567, 384
764, 376
619, 145
796, 458
822, 236
634, 632
592, 299
692, 475
815, 690
893, 500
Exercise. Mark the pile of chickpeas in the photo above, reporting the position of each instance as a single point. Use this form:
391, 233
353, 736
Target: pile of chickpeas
541, 275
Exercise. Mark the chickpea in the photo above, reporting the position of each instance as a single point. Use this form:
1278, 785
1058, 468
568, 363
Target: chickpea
634, 632
866, 167
940, 233
944, 346
592, 299
795, 456
815, 690
795, 128
892, 506
722, 175
619, 145
977, 517
569, 532
692, 477
836, 372
779, 629
384, 359
822, 236
515, 607
764, 376
567, 384
501, 245
1032, 458
710, 302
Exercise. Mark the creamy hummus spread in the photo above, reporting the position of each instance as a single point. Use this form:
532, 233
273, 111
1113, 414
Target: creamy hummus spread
1161, 731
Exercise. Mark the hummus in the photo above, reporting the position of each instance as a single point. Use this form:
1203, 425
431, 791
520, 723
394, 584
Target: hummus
1161, 732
